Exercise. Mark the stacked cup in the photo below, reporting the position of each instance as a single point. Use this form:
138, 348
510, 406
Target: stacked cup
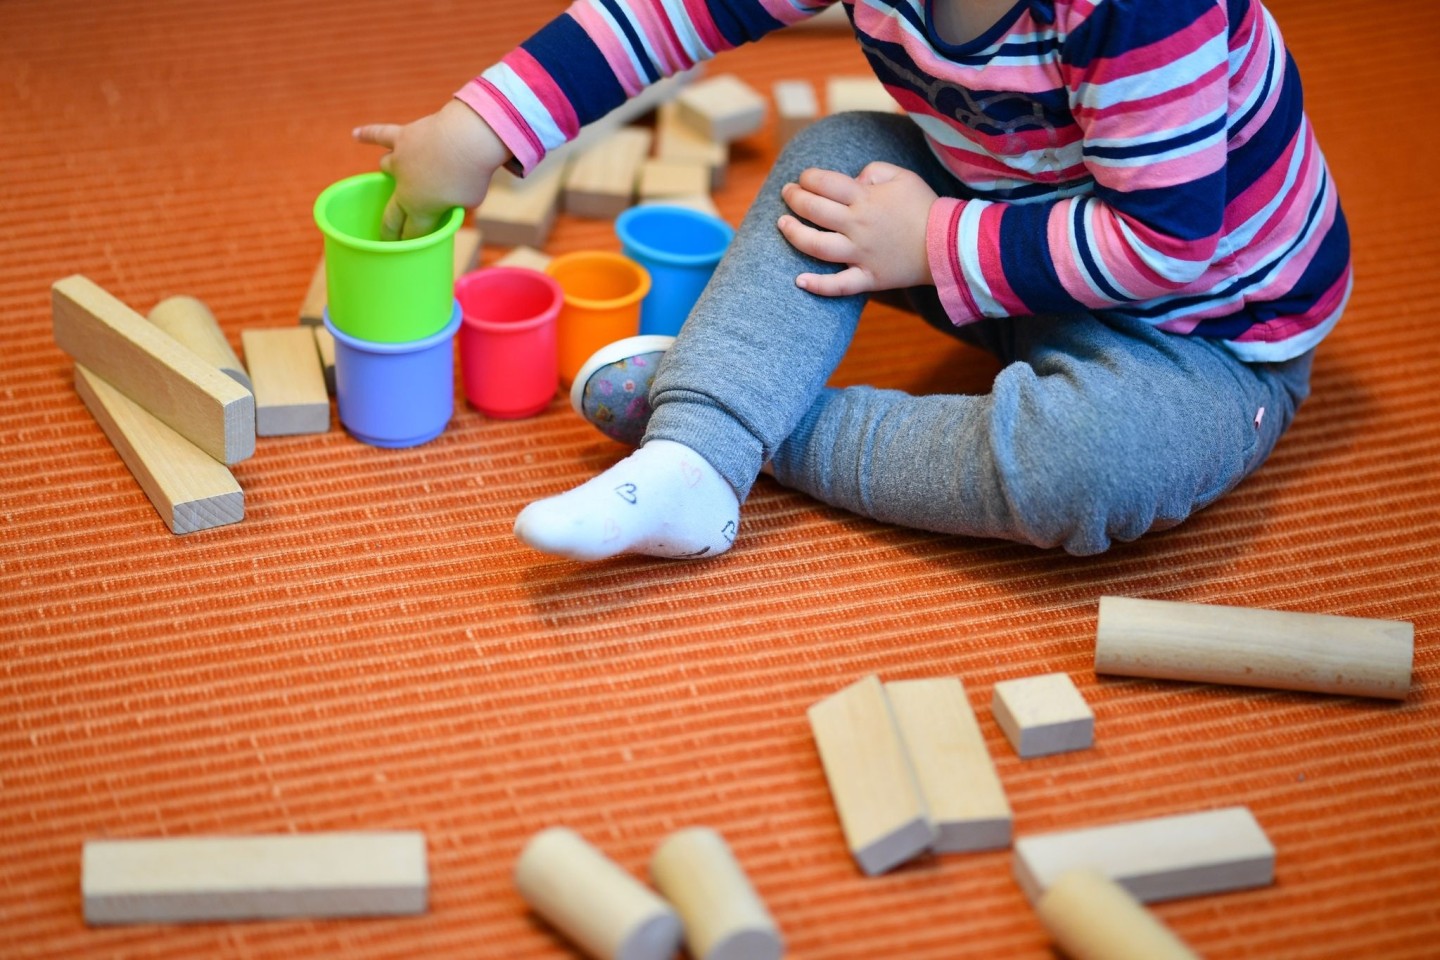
393, 314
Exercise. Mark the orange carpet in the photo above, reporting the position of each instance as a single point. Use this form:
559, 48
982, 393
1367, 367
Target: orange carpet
370, 648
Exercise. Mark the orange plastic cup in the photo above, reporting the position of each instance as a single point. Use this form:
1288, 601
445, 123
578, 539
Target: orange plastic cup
602, 304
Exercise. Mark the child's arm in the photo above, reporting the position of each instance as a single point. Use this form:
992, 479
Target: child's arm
441, 161
574, 70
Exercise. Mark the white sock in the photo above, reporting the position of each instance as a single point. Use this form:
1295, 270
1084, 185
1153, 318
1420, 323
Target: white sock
664, 500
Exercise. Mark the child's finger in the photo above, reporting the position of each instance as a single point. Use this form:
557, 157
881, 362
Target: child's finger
817, 209
418, 224
830, 184
851, 280
380, 134
392, 221
822, 244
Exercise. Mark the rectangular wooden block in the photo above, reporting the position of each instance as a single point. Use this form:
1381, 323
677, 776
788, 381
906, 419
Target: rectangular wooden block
527, 257
723, 108
325, 346
150, 367
1254, 648
858, 93
187, 880
676, 140
1043, 715
947, 751
312, 308
190, 489
882, 811
699, 202
796, 107
290, 394
521, 212
1163, 858
672, 178
601, 181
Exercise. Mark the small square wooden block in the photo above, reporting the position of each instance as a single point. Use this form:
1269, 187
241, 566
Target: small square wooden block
1043, 715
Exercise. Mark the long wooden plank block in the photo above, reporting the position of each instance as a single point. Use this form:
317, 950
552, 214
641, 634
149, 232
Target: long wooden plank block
1320, 653
882, 811
152, 368
1157, 859
184, 880
952, 764
518, 212
190, 489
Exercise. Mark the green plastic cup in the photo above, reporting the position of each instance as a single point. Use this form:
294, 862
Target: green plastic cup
385, 291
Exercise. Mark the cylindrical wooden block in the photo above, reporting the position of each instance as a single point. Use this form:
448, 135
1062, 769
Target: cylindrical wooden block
191, 322
723, 915
1254, 648
593, 901
1091, 917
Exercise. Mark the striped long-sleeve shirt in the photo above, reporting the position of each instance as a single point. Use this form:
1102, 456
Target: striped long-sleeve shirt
1145, 156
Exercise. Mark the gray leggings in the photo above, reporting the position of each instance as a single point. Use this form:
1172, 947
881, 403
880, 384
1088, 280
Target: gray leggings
1098, 428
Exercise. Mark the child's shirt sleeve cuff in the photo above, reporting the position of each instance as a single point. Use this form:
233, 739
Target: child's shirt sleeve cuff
958, 255
509, 125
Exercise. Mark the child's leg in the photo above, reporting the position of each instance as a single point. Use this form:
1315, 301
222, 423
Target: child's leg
1099, 429
747, 365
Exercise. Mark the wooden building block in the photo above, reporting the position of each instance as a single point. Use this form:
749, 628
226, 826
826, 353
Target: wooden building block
467, 250
1043, 715
723, 108
312, 309
518, 212
1254, 648
677, 140
189, 321
858, 93
325, 346
190, 489
1157, 859
672, 178
1091, 917
877, 797
956, 775
592, 900
601, 181
150, 367
290, 395
723, 916
700, 202
527, 257
796, 107
188, 880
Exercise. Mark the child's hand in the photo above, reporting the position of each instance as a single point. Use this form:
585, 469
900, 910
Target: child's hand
441, 161
874, 223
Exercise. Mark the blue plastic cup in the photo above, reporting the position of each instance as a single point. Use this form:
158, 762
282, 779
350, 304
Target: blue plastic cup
396, 394
680, 248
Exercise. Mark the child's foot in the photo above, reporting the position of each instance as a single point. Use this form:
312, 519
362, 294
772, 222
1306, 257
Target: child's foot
664, 500
612, 389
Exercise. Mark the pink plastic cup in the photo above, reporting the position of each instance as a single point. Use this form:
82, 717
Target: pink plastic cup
507, 340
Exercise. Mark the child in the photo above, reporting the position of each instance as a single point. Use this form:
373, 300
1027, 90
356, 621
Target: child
1122, 199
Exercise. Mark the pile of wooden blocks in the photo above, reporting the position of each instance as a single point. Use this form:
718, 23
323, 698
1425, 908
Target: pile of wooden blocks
909, 772
607, 170
175, 400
